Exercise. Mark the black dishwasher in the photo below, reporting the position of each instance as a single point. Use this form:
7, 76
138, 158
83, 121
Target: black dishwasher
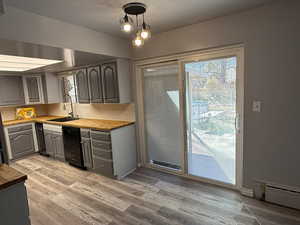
72, 146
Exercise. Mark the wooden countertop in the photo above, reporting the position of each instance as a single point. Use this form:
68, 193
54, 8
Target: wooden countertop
81, 123
9, 176
38, 119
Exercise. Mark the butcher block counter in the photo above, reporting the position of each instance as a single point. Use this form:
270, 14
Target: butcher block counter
97, 124
9, 176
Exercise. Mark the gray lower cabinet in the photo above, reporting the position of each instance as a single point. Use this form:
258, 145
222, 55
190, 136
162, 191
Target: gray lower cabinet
54, 144
11, 90
21, 143
114, 152
87, 152
59, 146
82, 84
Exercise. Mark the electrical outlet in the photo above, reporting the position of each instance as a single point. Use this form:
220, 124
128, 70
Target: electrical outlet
256, 106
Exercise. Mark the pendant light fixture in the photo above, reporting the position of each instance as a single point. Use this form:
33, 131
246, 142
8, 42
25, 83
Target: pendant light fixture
145, 32
141, 33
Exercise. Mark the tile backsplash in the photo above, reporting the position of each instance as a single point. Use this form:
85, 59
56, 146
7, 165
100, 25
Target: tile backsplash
124, 112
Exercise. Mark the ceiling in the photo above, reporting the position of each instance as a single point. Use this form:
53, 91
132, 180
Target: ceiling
162, 15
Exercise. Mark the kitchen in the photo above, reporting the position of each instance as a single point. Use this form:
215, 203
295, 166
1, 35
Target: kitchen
81, 115
124, 113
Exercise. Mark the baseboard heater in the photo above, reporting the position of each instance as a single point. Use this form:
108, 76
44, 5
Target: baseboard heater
282, 195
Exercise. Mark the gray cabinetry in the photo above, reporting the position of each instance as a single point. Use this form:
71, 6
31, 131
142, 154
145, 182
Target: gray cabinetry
102, 153
114, 152
87, 152
50, 148
21, 141
33, 89
110, 82
95, 84
58, 144
82, 83
54, 144
11, 90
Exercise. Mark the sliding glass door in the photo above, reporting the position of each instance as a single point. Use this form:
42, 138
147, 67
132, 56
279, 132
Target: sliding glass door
162, 116
211, 119
190, 114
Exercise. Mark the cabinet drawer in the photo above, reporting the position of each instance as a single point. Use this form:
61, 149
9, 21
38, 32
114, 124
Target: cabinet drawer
101, 136
103, 166
84, 133
102, 145
19, 128
102, 154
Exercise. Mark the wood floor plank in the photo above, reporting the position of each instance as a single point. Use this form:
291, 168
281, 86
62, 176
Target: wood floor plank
148, 217
59, 214
57, 176
130, 199
101, 195
116, 184
82, 211
111, 213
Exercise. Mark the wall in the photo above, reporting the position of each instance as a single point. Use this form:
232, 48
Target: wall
24, 26
124, 112
9, 113
271, 38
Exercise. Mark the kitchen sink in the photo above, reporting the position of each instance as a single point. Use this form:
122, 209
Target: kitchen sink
65, 119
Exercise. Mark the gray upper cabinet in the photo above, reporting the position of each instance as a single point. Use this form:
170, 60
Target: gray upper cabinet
110, 82
82, 83
52, 88
32, 89
21, 143
96, 87
11, 90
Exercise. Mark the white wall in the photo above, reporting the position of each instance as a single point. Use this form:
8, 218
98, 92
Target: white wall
271, 36
24, 26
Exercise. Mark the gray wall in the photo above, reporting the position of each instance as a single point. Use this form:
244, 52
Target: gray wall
24, 26
271, 36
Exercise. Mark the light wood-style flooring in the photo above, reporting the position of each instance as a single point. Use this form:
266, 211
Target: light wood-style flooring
59, 194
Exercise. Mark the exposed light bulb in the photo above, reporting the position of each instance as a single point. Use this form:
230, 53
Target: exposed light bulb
127, 27
138, 41
145, 34
126, 24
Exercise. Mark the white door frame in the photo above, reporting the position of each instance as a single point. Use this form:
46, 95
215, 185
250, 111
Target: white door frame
237, 51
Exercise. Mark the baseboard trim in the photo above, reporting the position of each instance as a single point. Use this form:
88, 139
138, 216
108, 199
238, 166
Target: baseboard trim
247, 192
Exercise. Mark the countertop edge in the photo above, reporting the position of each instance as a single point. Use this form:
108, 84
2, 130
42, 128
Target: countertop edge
41, 120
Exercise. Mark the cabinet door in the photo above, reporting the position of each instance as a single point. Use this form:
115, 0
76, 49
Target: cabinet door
87, 152
59, 146
110, 82
82, 84
11, 90
50, 147
32, 84
21, 143
95, 81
